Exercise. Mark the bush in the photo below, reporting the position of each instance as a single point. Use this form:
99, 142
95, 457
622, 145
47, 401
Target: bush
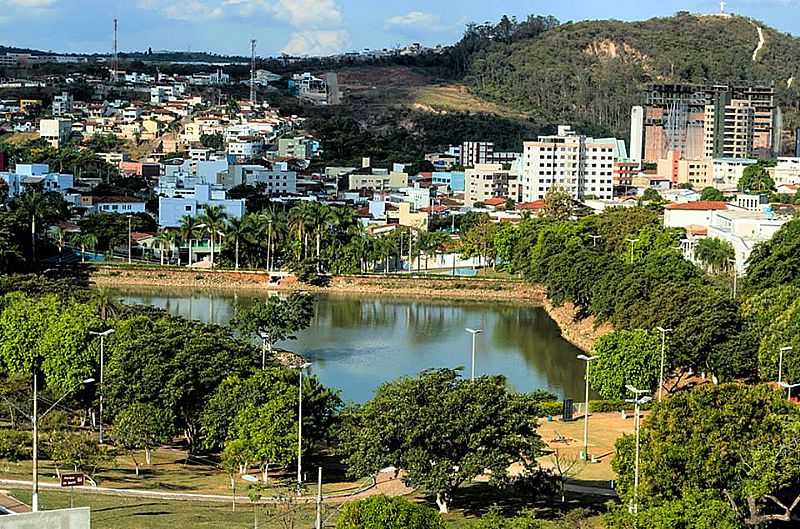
607, 406
551, 408
14, 445
381, 512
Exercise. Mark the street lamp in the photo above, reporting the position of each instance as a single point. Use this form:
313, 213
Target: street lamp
585, 454
790, 387
300, 369
735, 276
663, 332
594, 239
102, 336
638, 401
474, 333
780, 362
34, 418
130, 239
633, 243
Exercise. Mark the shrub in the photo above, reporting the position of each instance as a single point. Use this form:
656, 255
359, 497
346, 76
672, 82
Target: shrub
381, 512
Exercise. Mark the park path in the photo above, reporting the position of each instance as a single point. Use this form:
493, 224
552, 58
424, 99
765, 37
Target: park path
385, 484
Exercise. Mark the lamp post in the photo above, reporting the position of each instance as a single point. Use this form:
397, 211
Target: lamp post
585, 454
735, 276
300, 369
780, 362
474, 333
35, 420
130, 239
633, 243
637, 401
790, 387
663, 332
102, 336
594, 239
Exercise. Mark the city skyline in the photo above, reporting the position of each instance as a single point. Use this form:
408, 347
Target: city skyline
308, 27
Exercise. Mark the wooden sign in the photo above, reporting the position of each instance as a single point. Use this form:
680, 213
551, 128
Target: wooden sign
72, 480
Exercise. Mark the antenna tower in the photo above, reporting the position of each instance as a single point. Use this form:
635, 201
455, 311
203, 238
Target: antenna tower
253, 72
116, 57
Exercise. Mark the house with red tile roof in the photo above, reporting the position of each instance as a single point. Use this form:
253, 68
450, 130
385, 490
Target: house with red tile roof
697, 213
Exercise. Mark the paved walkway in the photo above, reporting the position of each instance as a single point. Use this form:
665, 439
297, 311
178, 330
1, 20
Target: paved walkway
12, 505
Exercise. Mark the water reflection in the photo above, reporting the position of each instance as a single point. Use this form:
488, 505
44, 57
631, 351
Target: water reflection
357, 343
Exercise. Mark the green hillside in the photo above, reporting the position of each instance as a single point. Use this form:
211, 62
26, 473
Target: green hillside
591, 73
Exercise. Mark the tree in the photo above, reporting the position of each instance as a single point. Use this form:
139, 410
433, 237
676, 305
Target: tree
558, 204
381, 512
213, 221
235, 230
77, 450
715, 254
694, 510
625, 357
142, 427
275, 320
738, 443
412, 424
234, 462
651, 195
776, 261
756, 179
565, 466
711, 193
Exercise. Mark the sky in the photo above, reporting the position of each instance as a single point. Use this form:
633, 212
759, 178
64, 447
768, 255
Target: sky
313, 27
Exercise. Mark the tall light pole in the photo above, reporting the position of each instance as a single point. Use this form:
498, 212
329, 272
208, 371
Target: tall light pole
637, 401
474, 333
594, 239
735, 276
130, 239
585, 454
102, 336
790, 387
780, 362
35, 421
663, 332
300, 369
633, 243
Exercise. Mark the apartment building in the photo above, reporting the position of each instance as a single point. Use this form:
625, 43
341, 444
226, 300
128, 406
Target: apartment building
275, 182
729, 128
171, 209
482, 152
577, 164
55, 131
25, 175
62, 104
489, 180
786, 171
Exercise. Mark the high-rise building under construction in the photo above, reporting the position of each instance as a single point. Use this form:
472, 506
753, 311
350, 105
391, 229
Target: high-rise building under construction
678, 118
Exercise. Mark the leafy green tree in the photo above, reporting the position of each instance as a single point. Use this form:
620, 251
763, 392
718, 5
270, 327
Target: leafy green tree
275, 320
756, 179
781, 332
739, 444
234, 461
651, 195
715, 254
411, 424
79, 451
558, 204
694, 510
142, 427
381, 512
172, 364
776, 261
213, 141
711, 193
625, 357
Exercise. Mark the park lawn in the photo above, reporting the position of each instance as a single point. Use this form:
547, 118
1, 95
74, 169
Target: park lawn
112, 512
171, 472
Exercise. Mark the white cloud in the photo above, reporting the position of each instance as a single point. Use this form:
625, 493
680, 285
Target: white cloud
416, 19
317, 42
308, 13
35, 4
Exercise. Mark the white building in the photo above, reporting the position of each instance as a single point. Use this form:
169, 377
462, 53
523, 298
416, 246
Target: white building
118, 204
743, 230
171, 210
62, 104
489, 180
690, 214
275, 182
637, 133
246, 148
787, 171
55, 131
728, 171
161, 94
419, 197
570, 162
25, 175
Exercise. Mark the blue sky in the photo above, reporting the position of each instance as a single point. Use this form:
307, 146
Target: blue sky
313, 26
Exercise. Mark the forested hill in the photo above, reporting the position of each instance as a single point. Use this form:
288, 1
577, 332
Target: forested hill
591, 73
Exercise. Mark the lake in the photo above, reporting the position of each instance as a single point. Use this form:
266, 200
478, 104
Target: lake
357, 343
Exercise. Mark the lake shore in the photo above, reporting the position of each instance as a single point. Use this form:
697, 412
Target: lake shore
583, 333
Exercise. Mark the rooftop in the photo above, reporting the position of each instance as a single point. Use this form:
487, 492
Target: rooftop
700, 205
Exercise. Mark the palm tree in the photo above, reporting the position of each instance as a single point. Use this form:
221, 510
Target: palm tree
107, 304
189, 231
236, 229
213, 219
34, 206
59, 235
322, 219
162, 240
301, 218
171, 237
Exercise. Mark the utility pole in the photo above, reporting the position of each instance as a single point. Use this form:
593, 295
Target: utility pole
253, 72
102, 336
318, 523
116, 56
130, 241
